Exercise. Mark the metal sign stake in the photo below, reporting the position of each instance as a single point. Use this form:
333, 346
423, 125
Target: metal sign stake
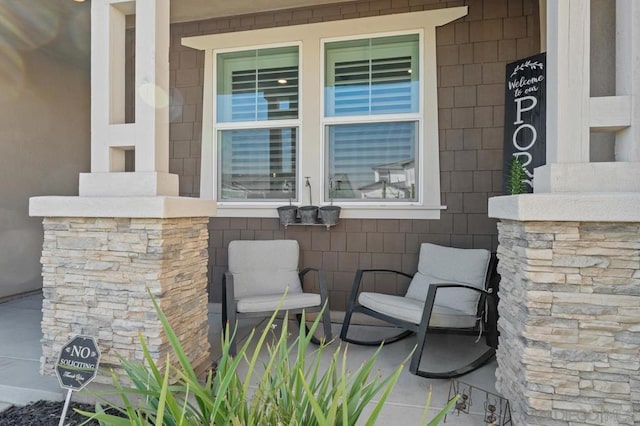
77, 366
65, 408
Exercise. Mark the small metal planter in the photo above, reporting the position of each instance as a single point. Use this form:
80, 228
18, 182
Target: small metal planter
308, 214
287, 214
329, 215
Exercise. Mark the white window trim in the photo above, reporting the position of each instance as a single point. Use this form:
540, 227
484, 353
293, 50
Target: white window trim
311, 143
216, 126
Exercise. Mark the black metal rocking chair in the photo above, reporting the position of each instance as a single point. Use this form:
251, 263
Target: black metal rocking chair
454, 290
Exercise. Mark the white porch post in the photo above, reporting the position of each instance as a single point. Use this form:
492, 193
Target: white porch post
110, 135
628, 76
572, 113
568, 253
568, 81
127, 233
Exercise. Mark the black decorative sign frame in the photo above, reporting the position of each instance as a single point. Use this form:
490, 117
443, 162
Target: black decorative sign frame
525, 118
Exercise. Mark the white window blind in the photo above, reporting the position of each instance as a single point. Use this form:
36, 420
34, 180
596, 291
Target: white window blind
372, 76
258, 85
381, 86
372, 160
365, 79
257, 155
264, 94
257, 163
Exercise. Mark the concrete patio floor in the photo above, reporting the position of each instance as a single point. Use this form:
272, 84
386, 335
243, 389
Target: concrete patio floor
21, 382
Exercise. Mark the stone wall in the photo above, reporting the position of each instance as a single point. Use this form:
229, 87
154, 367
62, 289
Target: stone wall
96, 276
471, 54
569, 348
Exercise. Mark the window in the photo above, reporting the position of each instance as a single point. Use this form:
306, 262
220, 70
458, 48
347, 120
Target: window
257, 91
352, 109
372, 118
372, 161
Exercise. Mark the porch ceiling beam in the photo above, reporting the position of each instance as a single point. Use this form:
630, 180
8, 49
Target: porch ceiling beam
195, 10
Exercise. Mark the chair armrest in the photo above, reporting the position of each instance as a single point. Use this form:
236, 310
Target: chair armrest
358, 278
322, 282
228, 301
385, 270
435, 287
227, 284
304, 271
431, 298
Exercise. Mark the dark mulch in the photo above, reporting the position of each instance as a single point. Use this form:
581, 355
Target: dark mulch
45, 413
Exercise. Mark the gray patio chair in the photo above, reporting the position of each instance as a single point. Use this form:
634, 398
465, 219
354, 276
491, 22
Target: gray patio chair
259, 275
451, 291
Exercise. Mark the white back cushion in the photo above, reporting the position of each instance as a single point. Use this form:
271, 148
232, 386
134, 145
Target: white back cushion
438, 264
264, 267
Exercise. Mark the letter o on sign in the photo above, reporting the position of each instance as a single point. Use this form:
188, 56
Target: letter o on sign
78, 362
534, 137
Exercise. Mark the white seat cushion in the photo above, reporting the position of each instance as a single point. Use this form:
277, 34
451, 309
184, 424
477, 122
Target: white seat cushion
438, 264
270, 302
399, 307
408, 309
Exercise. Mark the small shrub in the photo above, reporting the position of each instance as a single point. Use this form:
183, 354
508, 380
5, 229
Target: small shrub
517, 176
293, 389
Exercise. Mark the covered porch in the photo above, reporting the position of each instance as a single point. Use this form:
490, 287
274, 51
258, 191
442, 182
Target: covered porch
556, 276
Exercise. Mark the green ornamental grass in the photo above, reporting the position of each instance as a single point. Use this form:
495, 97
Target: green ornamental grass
290, 388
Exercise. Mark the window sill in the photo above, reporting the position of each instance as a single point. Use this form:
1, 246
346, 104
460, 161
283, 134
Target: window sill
348, 212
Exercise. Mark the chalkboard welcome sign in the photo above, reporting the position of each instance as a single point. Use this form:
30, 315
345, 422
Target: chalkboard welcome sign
525, 112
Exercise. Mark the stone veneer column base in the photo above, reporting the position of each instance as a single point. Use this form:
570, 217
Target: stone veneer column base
96, 272
569, 349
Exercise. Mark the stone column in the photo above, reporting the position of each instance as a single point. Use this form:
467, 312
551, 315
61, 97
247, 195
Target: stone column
569, 254
103, 256
569, 350
98, 278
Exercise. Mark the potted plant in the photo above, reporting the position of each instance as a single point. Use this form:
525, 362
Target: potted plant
329, 214
287, 214
308, 214
517, 176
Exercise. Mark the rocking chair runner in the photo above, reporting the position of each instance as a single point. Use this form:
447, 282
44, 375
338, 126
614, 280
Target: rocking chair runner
262, 278
452, 291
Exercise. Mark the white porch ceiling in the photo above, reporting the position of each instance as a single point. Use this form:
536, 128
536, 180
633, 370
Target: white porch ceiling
62, 27
192, 10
